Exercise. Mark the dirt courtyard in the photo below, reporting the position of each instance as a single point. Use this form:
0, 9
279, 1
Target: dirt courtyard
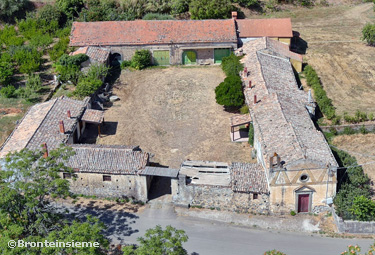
172, 113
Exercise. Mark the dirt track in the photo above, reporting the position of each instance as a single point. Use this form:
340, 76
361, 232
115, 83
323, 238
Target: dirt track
173, 114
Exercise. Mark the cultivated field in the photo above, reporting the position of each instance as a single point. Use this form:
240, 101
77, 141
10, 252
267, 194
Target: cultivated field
173, 114
344, 62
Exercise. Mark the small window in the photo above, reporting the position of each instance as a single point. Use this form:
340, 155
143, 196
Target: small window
106, 178
67, 175
255, 196
304, 178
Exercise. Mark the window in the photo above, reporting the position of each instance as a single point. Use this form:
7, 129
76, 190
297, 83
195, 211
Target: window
67, 175
106, 178
304, 178
255, 196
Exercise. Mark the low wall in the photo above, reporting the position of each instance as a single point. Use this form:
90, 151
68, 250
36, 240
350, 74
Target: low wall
219, 198
369, 126
352, 226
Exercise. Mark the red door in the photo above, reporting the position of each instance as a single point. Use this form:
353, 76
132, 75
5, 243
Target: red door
303, 202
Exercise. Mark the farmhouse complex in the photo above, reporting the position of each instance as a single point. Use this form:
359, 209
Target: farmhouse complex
295, 167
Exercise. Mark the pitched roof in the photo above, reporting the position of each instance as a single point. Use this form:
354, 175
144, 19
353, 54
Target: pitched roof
93, 116
265, 27
141, 32
246, 177
94, 53
107, 159
280, 117
41, 125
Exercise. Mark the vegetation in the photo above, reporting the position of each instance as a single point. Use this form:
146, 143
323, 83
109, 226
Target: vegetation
231, 65
28, 184
210, 9
141, 59
251, 134
90, 82
274, 252
244, 109
363, 208
70, 8
368, 34
324, 103
248, 3
229, 92
9, 9
157, 16
159, 241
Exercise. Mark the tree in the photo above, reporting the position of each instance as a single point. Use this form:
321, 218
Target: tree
179, 6
6, 72
210, 9
70, 8
159, 241
49, 13
248, 3
231, 65
363, 208
229, 93
368, 34
141, 59
29, 180
10, 8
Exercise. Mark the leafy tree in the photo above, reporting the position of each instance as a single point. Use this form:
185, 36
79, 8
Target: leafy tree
8, 91
77, 60
6, 72
231, 65
105, 10
179, 6
368, 34
34, 82
135, 9
141, 59
210, 9
10, 8
97, 71
59, 49
71, 8
229, 93
86, 87
68, 73
159, 241
158, 6
9, 36
49, 13
363, 208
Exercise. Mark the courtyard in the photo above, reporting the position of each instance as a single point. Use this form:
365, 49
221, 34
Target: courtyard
172, 113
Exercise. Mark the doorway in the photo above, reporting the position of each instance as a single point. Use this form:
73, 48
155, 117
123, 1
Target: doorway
303, 203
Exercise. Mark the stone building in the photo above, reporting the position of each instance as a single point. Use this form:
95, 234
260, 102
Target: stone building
296, 158
171, 42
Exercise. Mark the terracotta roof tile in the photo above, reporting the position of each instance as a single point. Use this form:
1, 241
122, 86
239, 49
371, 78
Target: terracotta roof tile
265, 27
246, 177
141, 32
93, 116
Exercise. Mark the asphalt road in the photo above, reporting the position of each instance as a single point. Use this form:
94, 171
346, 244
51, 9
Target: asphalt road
216, 238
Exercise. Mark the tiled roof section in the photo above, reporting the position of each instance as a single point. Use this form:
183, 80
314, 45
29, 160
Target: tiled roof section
141, 32
246, 177
94, 53
80, 50
49, 130
280, 116
265, 27
240, 119
93, 116
107, 160
160, 171
26, 128
282, 49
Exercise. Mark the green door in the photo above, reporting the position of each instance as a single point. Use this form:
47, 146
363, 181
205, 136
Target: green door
161, 57
220, 54
189, 57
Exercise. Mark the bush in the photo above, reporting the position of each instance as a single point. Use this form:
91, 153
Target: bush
125, 64
141, 59
244, 109
105, 10
368, 34
8, 91
27, 58
49, 13
34, 82
251, 134
229, 93
86, 87
210, 9
157, 16
9, 37
179, 6
348, 131
336, 120
293, 213
59, 49
231, 65
97, 71
70, 8
68, 73
363, 208
135, 9
76, 60
10, 8
41, 40
371, 116
274, 252
363, 130
6, 72
248, 3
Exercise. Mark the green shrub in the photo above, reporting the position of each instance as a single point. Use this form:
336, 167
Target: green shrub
293, 213
8, 91
27, 58
251, 134
141, 59
6, 72
179, 6
229, 92
248, 3
105, 10
34, 82
360, 116
210, 9
244, 109
368, 34
10, 9
348, 131
86, 87
336, 120
97, 71
76, 60
274, 252
9, 37
59, 49
157, 16
125, 64
231, 65
371, 116
363, 130
41, 40
70, 8
363, 208
68, 73
49, 13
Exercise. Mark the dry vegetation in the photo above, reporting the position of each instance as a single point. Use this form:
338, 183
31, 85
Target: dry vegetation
173, 114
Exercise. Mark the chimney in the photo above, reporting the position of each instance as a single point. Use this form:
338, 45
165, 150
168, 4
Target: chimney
271, 162
255, 99
245, 72
234, 15
69, 114
309, 97
278, 160
250, 84
45, 150
62, 128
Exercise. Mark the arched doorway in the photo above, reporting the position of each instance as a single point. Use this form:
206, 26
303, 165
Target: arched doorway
116, 59
189, 57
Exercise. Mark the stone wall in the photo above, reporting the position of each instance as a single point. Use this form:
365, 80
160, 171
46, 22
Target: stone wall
220, 198
369, 126
92, 184
352, 226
